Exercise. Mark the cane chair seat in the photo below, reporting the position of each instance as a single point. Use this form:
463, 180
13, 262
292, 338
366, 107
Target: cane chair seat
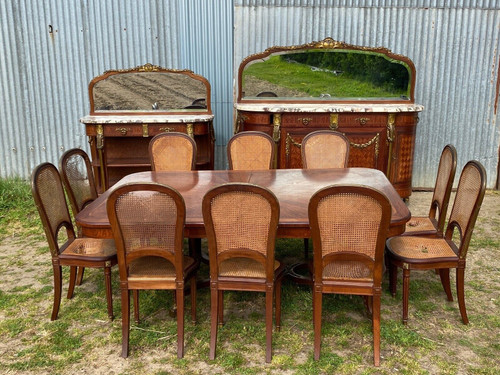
89, 248
244, 267
156, 269
347, 270
172, 151
250, 150
433, 224
446, 252
414, 249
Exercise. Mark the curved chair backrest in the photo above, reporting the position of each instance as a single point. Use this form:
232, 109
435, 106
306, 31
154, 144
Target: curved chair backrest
250, 150
444, 183
77, 177
267, 94
325, 149
50, 200
147, 220
172, 152
468, 200
349, 226
241, 221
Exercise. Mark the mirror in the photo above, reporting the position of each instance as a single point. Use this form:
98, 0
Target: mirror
326, 71
149, 89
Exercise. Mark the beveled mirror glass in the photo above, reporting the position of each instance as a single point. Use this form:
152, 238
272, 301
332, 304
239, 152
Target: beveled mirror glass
326, 71
147, 89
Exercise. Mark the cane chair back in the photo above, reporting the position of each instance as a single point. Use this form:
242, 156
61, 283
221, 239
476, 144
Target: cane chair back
241, 222
325, 149
349, 225
77, 177
65, 248
442, 253
172, 151
250, 150
433, 224
147, 221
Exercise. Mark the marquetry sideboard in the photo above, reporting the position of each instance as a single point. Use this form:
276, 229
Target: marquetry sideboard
365, 93
381, 136
130, 106
119, 144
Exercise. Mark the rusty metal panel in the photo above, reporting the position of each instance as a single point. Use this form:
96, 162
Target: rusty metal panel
454, 45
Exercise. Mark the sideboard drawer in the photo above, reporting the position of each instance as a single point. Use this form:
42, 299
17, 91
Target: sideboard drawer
300, 120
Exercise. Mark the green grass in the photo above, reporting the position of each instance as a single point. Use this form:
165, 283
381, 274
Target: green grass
435, 340
299, 77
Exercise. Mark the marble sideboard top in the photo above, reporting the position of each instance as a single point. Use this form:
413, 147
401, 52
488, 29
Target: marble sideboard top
328, 107
149, 119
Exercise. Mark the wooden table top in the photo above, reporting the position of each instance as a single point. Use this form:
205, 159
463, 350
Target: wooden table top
292, 187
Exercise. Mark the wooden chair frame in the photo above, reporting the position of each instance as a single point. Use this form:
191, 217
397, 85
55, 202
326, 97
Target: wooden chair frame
77, 203
440, 197
458, 252
371, 289
68, 254
270, 284
183, 272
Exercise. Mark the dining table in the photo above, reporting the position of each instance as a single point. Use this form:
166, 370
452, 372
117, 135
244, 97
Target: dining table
292, 187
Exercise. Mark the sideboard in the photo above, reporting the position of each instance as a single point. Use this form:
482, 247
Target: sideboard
365, 93
130, 106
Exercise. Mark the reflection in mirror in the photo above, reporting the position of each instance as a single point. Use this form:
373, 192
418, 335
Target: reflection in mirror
326, 71
147, 91
149, 88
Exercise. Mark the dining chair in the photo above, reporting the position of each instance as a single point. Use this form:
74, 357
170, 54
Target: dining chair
65, 248
433, 223
349, 226
250, 150
79, 183
323, 149
442, 253
172, 151
147, 220
241, 221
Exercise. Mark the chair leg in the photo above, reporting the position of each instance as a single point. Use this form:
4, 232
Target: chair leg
277, 297
193, 299
135, 297
214, 299
317, 307
79, 278
57, 289
406, 294
220, 310
444, 274
125, 321
306, 248
269, 322
393, 278
109, 293
180, 319
376, 328
72, 279
461, 294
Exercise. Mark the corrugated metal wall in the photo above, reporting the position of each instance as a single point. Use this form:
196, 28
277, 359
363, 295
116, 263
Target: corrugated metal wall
454, 45
51, 50
44, 75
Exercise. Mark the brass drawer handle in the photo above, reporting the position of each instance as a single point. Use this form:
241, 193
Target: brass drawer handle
305, 120
167, 129
123, 131
362, 120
